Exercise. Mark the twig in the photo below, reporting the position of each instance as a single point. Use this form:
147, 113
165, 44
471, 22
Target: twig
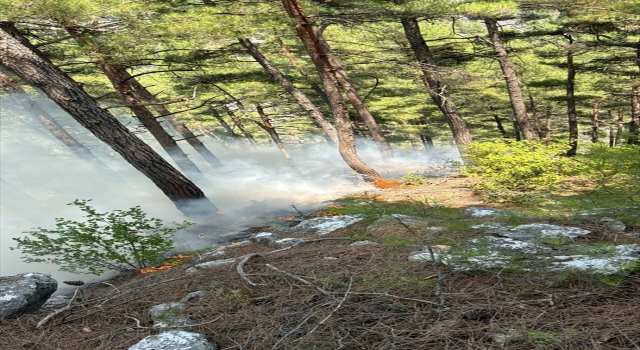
275, 346
183, 326
395, 297
299, 212
111, 285
55, 312
344, 298
348, 291
625, 335
146, 104
240, 269
298, 279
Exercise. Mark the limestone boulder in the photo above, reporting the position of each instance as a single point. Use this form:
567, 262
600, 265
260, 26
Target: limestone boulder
25, 293
175, 340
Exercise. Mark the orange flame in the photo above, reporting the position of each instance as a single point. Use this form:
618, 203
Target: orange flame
386, 183
157, 268
167, 264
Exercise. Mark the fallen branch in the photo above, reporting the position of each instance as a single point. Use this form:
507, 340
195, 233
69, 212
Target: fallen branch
298, 279
240, 269
246, 258
55, 312
344, 298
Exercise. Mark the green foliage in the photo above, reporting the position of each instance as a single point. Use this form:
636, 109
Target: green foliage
615, 173
492, 9
413, 179
105, 241
401, 242
518, 171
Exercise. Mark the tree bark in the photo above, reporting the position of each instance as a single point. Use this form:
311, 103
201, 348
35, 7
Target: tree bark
536, 118
121, 81
435, 84
503, 132
266, 125
29, 64
237, 122
595, 123
571, 104
344, 83
620, 126
336, 72
314, 86
178, 125
511, 78
612, 137
308, 33
634, 125
303, 101
20, 96
117, 76
222, 122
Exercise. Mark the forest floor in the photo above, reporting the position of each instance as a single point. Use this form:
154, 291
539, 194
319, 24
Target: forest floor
328, 294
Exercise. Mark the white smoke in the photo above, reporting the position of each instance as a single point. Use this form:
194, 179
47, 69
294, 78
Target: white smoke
40, 176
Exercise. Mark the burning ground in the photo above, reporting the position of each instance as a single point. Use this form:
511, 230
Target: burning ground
330, 294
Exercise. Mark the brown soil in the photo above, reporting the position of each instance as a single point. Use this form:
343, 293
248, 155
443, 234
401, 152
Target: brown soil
451, 191
327, 294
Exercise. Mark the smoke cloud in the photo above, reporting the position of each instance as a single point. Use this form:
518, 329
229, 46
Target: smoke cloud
40, 176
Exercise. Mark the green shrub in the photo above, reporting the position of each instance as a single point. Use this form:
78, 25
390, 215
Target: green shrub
414, 179
106, 241
518, 171
615, 172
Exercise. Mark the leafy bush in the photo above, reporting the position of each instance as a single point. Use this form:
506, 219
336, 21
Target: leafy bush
614, 172
106, 241
518, 171
414, 179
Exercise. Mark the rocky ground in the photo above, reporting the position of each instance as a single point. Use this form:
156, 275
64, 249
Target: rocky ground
357, 287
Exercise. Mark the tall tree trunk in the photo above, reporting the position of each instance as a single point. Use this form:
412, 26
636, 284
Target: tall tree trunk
222, 122
265, 124
595, 123
511, 77
503, 132
117, 76
308, 33
427, 141
620, 126
146, 96
31, 66
356, 101
121, 81
294, 62
435, 84
516, 130
20, 96
498, 121
237, 122
571, 104
612, 137
536, 118
303, 101
335, 72
634, 125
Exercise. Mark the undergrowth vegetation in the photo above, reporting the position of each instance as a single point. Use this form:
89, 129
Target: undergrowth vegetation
528, 173
105, 241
